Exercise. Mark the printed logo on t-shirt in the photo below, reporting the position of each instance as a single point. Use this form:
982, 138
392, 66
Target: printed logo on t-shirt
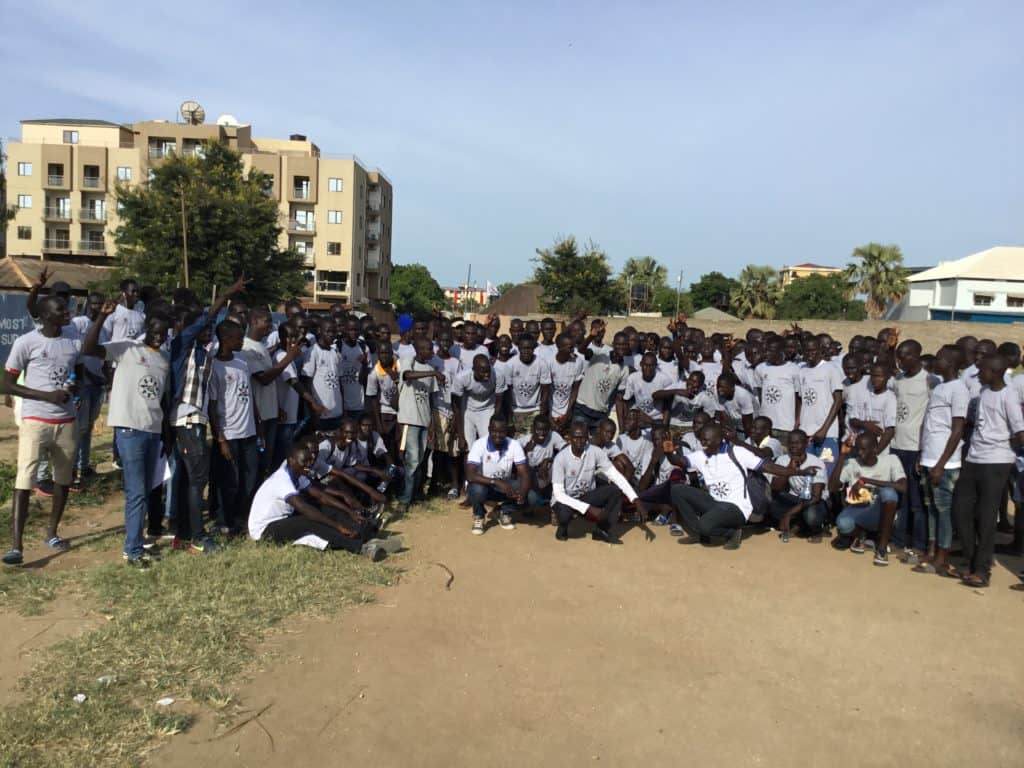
604, 387
810, 396
773, 394
149, 387
59, 376
719, 490
525, 388
331, 379
241, 390
562, 390
349, 375
902, 412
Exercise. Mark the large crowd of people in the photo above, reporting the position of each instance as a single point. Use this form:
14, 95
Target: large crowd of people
303, 433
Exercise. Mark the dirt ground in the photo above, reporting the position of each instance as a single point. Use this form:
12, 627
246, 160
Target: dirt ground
648, 653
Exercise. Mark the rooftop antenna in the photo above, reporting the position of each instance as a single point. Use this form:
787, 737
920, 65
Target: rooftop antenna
192, 113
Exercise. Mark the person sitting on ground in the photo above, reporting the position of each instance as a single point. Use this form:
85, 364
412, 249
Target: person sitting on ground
345, 468
540, 447
490, 465
373, 452
638, 449
762, 441
724, 507
575, 490
284, 512
49, 357
799, 496
873, 483
688, 397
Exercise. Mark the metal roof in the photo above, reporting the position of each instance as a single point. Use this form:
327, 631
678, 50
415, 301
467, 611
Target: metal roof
999, 263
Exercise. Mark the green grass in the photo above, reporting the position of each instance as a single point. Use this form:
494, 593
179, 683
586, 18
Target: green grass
184, 629
26, 592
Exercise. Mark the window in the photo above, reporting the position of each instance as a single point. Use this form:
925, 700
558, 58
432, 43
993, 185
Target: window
334, 249
24, 169
70, 137
335, 185
982, 299
24, 233
1015, 301
24, 201
359, 279
91, 176
124, 173
334, 217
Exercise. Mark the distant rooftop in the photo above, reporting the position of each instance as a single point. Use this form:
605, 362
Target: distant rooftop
73, 121
811, 266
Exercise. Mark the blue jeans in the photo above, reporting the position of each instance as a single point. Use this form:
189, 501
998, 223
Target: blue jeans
139, 451
539, 497
478, 494
90, 401
236, 480
911, 523
813, 516
415, 452
868, 516
816, 449
940, 510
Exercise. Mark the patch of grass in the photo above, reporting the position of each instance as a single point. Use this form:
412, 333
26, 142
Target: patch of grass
184, 629
26, 592
8, 473
97, 490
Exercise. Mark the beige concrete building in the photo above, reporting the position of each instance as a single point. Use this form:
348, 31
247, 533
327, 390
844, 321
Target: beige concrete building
788, 274
63, 175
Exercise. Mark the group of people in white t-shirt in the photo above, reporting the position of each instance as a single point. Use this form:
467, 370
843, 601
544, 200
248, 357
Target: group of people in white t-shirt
704, 434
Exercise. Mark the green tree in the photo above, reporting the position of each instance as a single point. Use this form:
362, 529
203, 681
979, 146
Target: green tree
712, 290
815, 297
414, 289
878, 274
645, 273
503, 288
665, 301
574, 281
757, 292
232, 227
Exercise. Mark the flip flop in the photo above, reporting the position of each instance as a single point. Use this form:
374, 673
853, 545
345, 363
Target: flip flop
13, 557
56, 542
974, 580
676, 530
924, 568
950, 572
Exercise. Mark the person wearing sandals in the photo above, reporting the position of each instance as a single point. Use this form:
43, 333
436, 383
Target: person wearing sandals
496, 470
998, 430
873, 485
49, 358
800, 496
942, 442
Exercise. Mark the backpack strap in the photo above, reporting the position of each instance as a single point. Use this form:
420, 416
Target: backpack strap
739, 466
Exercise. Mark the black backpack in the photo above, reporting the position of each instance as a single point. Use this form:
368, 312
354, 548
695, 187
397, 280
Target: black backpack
755, 487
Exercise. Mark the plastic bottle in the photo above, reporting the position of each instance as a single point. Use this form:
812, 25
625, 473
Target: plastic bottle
69, 385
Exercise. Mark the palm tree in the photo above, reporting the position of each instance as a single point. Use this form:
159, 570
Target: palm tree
758, 292
641, 277
878, 274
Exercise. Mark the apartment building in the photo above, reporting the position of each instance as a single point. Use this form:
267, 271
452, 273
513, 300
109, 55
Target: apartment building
335, 210
788, 274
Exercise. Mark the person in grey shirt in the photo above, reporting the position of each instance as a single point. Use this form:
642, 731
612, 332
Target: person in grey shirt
998, 431
418, 380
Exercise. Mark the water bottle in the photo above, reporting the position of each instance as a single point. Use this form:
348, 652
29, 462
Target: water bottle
805, 487
69, 386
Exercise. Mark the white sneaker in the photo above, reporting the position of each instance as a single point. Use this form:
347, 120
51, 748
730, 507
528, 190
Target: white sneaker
505, 521
478, 526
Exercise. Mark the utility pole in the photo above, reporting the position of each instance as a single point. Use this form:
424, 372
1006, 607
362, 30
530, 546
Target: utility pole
184, 233
679, 287
629, 295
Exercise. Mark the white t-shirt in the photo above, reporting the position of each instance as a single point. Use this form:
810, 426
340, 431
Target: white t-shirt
379, 384
258, 359
47, 363
93, 365
742, 404
638, 450
712, 370
641, 392
780, 384
888, 468
564, 377
911, 403
467, 356
969, 376
601, 380
999, 418
415, 395
322, 366
477, 395
287, 397
949, 400
349, 369
525, 381
669, 367
572, 477
801, 486
496, 463
231, 388
546, 352
442, 398
139, 383
723, 479
880, 407
124, 323
855, 395
818, 386
541, 452
684, 408
271, 502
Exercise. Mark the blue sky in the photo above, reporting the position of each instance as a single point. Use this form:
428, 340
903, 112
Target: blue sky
707, 135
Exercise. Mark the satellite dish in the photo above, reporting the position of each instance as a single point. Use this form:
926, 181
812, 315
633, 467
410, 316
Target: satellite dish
230, 120
192, 113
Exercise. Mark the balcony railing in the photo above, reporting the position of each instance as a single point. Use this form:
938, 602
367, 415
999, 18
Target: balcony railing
56, 244
301, 193
192, 150
304, 227
329, 286
57, 214
373, 260
373, 206
55, 180
92, 246
157, 153
89, 214
91, 182
373, 237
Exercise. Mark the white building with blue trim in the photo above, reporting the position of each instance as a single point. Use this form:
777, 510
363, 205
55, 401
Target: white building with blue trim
985, 287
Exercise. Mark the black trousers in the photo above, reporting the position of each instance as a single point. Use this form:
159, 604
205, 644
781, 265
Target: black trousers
703, 515
192, 472
607, 498
812, 516
976, 501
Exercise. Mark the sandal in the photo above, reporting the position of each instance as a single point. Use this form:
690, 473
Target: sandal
950, 571
976, 581
924, 568
676, 530
57, 543
13, 557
